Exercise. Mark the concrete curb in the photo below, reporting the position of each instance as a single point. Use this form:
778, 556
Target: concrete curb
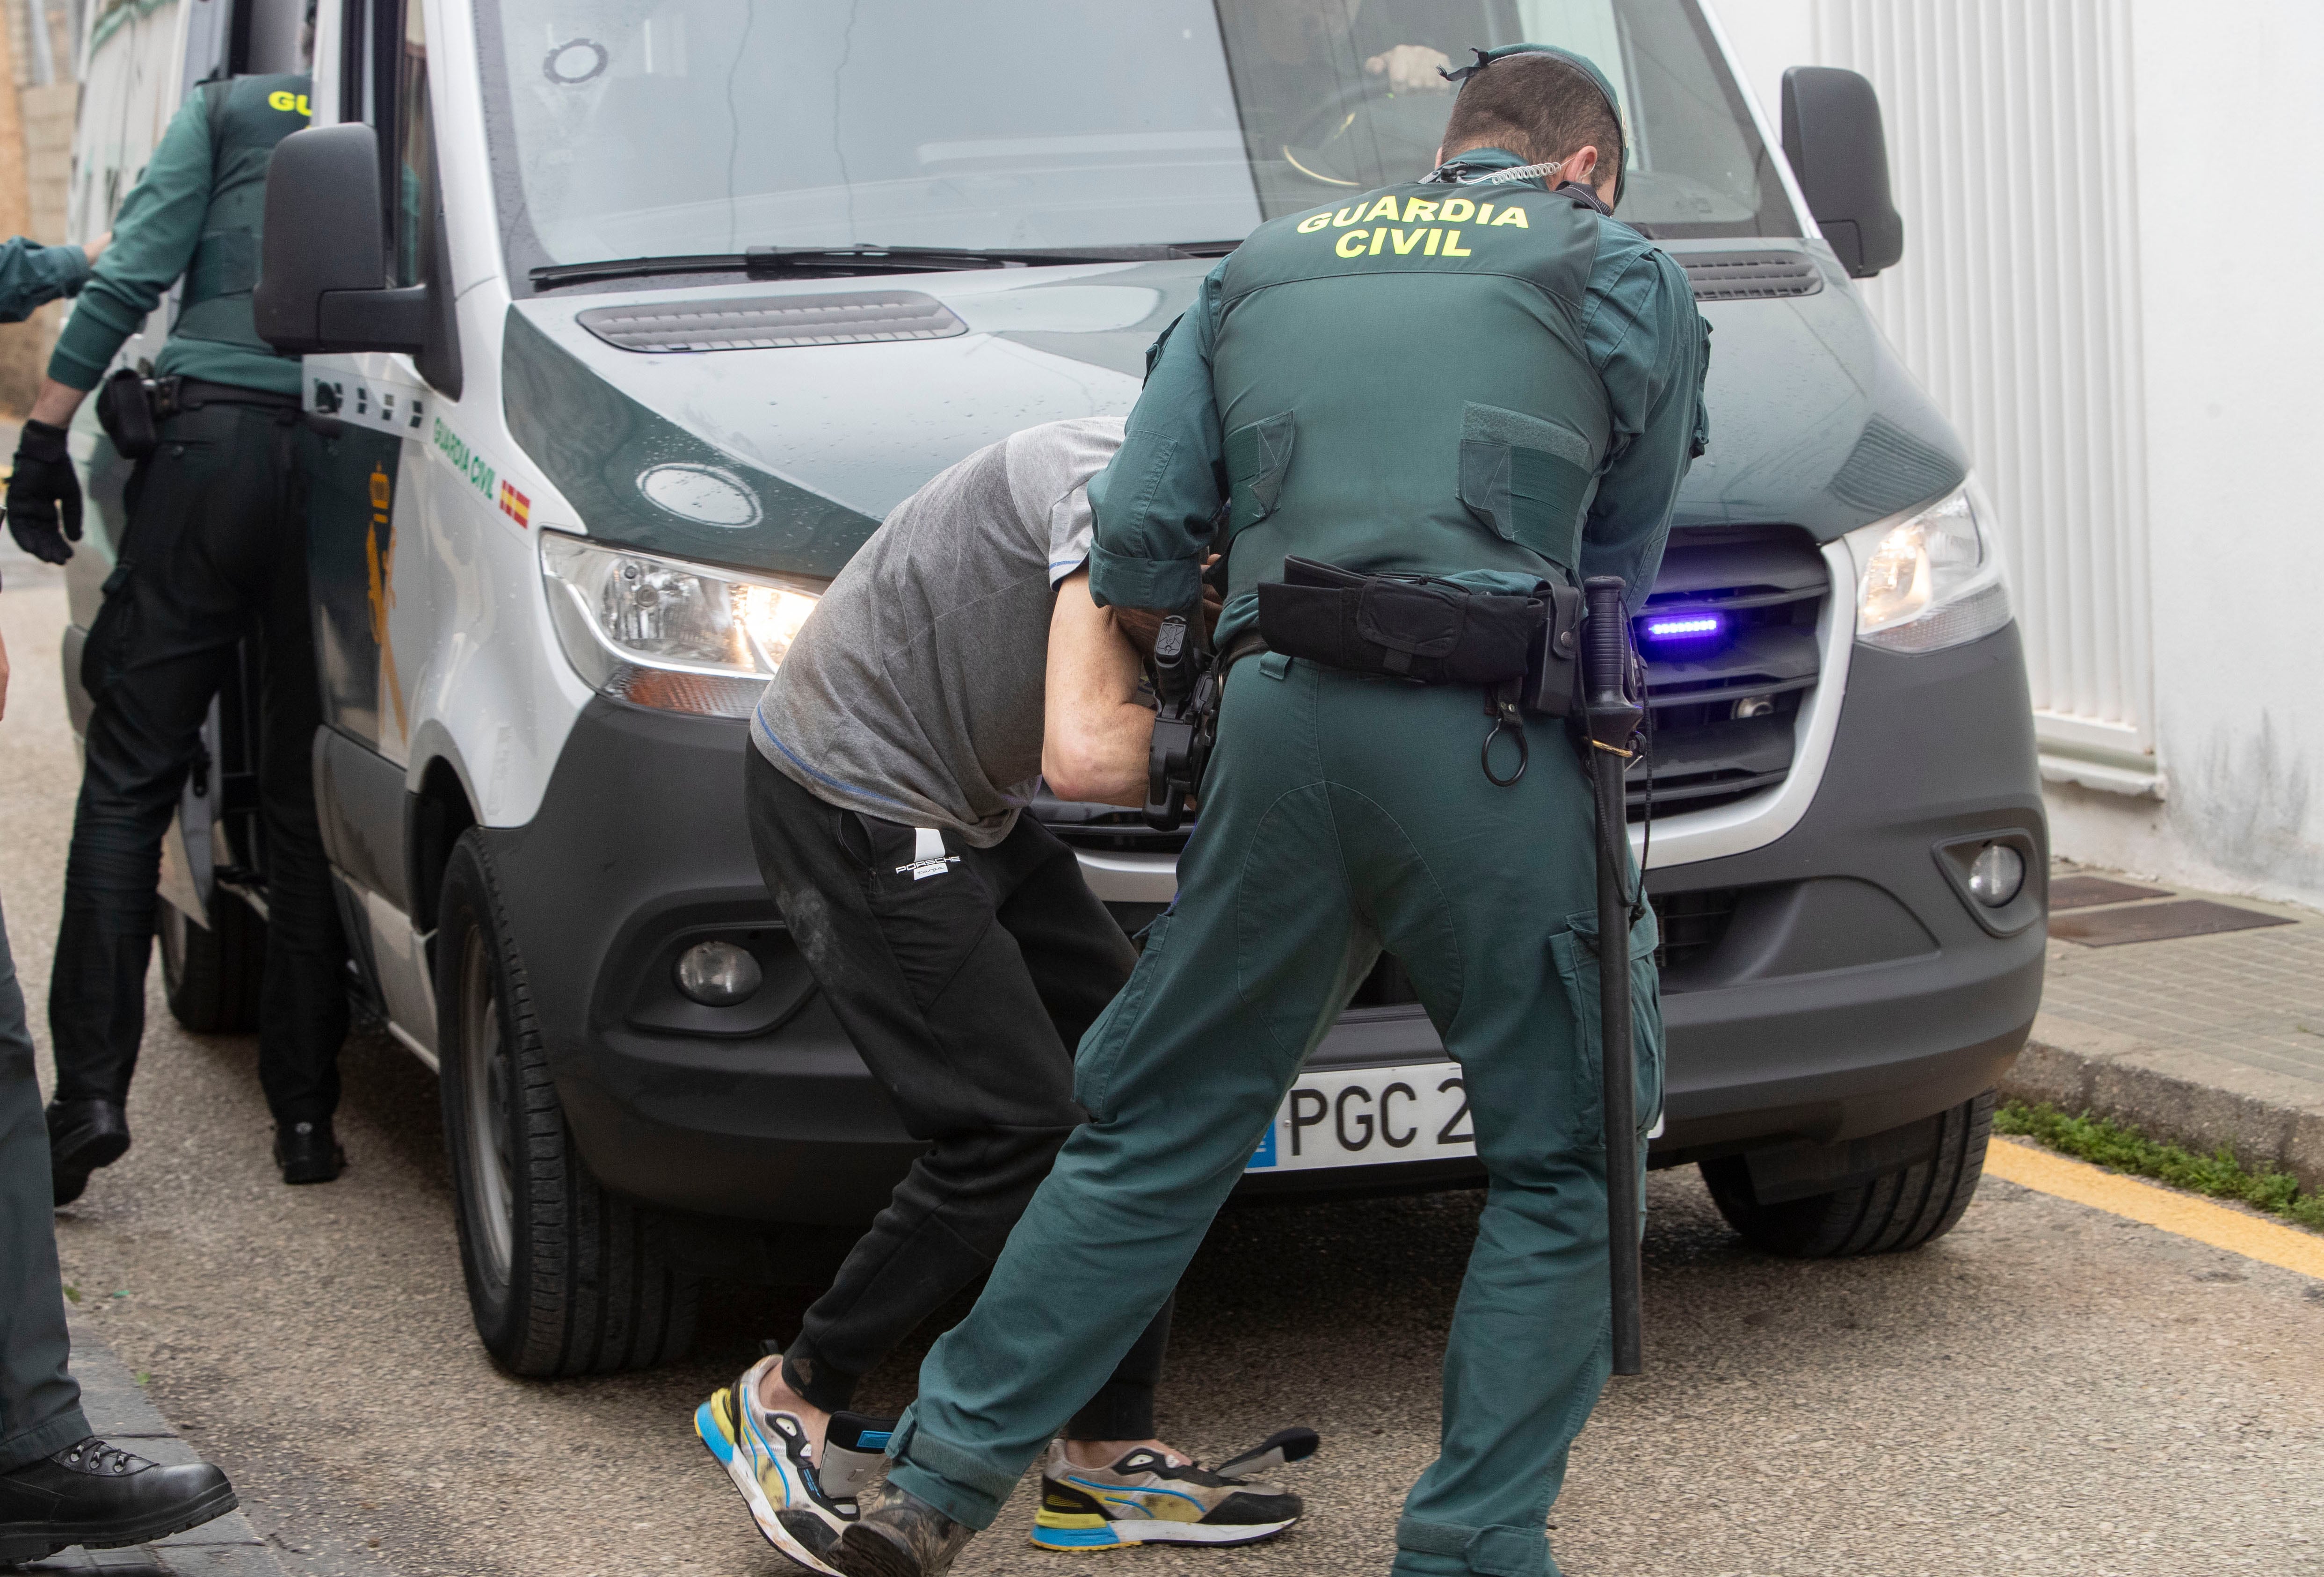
2187, 1097
122, 1415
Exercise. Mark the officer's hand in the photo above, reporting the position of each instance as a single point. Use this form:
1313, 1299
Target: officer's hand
97, 247
1411, 68
44, 494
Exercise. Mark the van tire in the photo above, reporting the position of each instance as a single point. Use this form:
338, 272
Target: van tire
564, 1279
1893, 1212
210, 975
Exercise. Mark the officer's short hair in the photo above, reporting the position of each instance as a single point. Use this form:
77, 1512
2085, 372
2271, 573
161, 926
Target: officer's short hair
1540, 108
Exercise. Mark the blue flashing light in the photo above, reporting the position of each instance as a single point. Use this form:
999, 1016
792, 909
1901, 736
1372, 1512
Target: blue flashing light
1684, 627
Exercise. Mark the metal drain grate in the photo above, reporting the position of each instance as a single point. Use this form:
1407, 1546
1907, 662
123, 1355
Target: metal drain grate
773, 322
2082, 892
1750, 276
2157, 922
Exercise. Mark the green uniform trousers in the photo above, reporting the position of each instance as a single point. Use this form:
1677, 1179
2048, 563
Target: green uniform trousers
40, 1403
1341, 817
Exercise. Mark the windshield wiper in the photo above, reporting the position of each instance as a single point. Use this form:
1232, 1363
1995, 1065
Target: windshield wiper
770, 262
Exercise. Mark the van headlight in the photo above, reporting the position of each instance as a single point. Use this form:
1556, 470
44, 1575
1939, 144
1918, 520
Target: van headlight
663, 632
1933, 581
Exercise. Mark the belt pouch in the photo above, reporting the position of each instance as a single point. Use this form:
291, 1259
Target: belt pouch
125, 409
1362, 623
1552, 681
1409, 628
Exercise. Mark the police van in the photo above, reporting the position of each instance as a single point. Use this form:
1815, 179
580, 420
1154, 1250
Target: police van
625, 322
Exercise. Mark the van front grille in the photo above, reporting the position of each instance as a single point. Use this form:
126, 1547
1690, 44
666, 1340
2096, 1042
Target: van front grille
1725, 706
1691, 924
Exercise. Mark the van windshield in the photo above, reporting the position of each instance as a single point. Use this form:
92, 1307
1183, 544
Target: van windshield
631, 128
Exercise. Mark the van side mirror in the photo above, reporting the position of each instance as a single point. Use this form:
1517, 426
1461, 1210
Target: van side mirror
323, 283
1832, 136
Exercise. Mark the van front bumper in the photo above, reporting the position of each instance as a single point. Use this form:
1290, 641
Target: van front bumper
1852, 991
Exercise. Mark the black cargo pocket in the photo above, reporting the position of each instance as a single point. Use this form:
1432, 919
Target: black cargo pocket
1575, 952
1525, 480
1258, 456
100, 654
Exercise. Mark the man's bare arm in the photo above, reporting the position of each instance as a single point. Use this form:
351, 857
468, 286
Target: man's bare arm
1095, 731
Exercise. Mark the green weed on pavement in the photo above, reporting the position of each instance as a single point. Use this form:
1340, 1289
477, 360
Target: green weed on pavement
2125, 1149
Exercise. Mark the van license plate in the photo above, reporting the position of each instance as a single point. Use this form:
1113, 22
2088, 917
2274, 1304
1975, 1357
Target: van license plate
1370, 1117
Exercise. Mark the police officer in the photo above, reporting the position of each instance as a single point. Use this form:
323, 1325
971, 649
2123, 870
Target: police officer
59, 1485
1481, 375
214, 552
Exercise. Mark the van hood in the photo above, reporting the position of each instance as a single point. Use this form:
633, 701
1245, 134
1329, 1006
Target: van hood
784, 453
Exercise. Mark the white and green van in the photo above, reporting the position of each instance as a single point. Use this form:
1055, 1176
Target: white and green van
626, 320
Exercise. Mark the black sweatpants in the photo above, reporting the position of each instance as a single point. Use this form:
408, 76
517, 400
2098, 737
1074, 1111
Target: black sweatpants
215, 552
966, 993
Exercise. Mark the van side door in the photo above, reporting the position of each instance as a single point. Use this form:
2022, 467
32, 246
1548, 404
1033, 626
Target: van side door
373, 586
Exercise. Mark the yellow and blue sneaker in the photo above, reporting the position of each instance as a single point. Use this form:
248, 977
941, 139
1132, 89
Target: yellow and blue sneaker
767, 1455
1145, 1498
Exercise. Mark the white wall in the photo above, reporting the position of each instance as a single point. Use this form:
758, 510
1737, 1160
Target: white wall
2110, 208
2229, 120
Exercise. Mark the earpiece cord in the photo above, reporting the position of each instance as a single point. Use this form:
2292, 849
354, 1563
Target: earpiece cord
1453, 172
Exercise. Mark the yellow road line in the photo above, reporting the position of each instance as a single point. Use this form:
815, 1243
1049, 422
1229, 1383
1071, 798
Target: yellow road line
2046, 1172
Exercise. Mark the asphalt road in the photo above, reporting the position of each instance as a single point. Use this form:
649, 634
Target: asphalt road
2049, 1389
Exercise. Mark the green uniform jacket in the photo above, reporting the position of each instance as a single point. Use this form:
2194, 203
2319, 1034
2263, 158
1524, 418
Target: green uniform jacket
32, 275
1431, 378
195, 212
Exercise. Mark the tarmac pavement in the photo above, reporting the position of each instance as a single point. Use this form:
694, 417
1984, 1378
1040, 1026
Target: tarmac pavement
2048, 1389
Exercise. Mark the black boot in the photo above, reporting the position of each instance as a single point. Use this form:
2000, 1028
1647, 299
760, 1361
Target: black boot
101, 1497
308, 1152
83, 1135
905, 1537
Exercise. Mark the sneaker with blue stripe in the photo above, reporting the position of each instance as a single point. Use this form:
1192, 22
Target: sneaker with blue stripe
767, 1456
1147, 1499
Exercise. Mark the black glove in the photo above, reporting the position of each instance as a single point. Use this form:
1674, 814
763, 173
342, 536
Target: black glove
41, 484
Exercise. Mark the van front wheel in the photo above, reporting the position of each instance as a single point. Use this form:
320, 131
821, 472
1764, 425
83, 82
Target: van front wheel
563, 1278
1895, 1211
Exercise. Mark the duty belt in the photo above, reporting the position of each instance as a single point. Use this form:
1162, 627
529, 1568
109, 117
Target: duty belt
132, 407
182, 394
1425, 630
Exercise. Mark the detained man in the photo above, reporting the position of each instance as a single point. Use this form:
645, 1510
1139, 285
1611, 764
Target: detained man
956, 661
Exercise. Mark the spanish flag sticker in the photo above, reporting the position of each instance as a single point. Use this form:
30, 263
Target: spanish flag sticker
515, 506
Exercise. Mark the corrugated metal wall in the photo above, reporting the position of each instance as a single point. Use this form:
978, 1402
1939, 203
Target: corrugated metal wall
2017, 302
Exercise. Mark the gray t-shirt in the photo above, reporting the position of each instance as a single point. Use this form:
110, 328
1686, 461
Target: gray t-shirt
913, 693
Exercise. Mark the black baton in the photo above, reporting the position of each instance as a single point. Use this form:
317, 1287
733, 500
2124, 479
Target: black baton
1613, 713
